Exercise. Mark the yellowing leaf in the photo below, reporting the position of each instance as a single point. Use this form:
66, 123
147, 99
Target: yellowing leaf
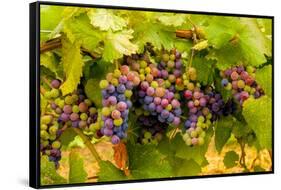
171, 19
72, 64
106, 20
118, 44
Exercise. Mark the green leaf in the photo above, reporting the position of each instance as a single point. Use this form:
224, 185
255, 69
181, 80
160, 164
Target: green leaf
259, 169
108, 172
205, 70
50, 17
264, 79
77, 142
186, 168
153, 33
143, 160
201, 45
265, 25
49, 175
50, 61
230, 159
172, 19
72, 64
258, 114
223, 131
196, 153
81, 30
67, 137
77, 173
106, 19
118, 44
93, 91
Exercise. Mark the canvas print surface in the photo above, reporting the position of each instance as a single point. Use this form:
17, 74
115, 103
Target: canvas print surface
139, 95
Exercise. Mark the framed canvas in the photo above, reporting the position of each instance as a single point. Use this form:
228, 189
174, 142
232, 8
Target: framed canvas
122, 94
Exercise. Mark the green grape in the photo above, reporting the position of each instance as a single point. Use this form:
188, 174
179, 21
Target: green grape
75, 109
53, 130
44, 134
75, 97
193, 134
92, 110
128, 93
154, 84
188, 142
103, 84
53, 137
105, 111
154, 141
48, 95
172, 57
94, 127
88, 102
147, 70
117, 73
43, 127
200, 141
84, 116
46, 119
241, 84
68, 100
118, 122
56, 144
55, 93
147, 135
143, 64
201, 119
61, 104
165, 57
203, 134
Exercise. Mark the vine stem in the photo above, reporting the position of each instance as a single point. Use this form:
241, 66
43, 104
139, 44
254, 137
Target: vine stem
88, 144
242, 160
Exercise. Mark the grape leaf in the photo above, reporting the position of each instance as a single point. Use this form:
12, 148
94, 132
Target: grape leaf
172, 19
49, 175
186, 168
72, 64
77, 173
154, 34
80, 29
121, 155
196, 153
118, 44
106, 19
77, 142
259, 169
50, 17
258, 114
264, 79
145, 161
205, 70
223, 132
67, 137
108, 172
93, 91
230, 159
265, 26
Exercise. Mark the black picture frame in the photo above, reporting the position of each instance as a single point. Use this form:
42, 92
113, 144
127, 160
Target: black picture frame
34, 92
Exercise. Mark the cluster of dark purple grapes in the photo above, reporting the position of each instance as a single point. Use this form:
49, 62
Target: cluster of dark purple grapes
241, 82
152, 131
49, 143
116, 94
157, 90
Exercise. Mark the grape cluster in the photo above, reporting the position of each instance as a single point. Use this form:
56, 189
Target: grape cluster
49, 143
204, 107
157, 90
241, 82
116, 94
152, 131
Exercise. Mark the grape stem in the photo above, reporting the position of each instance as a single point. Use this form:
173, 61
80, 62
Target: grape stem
88, 144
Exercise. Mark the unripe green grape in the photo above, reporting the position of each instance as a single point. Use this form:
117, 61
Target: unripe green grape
154, 142
209, 116
247, 88
201, 119
53, 130
147, 135
44, 134
68, 100
45, 143
154, 84
43, 127
250, 69
169, 107
128, 93
48, 95
75, 109
141, 71
188, 142
93, 110
61, 104
53, 137
55, 93
117, 73
193, 134
203, 134
104, 83
167, 84
56, 144
165, 57
198, 130
144, 141
75, 97
172, 57
115, 82
200, 141
84, 116
228, 86
253, 90
105, 111
190, 86
185, 137
143, 64
48, 152
142, 77
46, 119
147, 70
118, 122
241, 84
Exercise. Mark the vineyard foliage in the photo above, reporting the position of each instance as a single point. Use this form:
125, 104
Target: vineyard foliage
94, 42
